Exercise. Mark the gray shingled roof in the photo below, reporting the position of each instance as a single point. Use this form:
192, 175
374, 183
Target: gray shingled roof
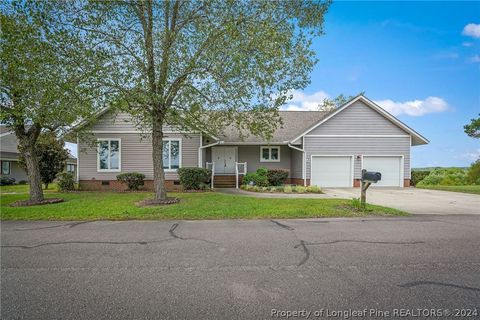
294, 124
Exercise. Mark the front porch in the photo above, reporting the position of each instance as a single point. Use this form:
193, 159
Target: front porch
229, 163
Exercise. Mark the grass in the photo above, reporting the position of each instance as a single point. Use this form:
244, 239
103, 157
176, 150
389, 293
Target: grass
475, 189
24, 188
193, 206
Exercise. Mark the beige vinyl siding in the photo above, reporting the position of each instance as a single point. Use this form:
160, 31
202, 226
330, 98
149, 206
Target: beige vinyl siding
9, 143
136, 155
117, 121
16, 172
358, 146
358, 119
296, 164
251, 155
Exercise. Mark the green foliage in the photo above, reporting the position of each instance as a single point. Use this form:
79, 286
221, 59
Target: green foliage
194, 178
473, 128
22, 182
418, 175
51, 156
65, 182
6, 181
300, 189
133, 179
277, 177
288, 189
314, 189
340, 100
357, 204
445, 177
259, 178
473, 173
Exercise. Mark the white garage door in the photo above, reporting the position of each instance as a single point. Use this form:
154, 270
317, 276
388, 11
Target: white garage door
332, 171
389, 167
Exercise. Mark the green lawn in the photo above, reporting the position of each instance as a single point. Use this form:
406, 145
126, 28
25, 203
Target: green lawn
475, 189
24, 188
209, 205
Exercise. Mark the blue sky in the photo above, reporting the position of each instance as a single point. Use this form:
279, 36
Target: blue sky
419, 60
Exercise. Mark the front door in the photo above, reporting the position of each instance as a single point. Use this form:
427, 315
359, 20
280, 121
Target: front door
224, 159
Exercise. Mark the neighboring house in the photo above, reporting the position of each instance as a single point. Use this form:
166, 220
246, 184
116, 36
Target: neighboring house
9, 157
328, 149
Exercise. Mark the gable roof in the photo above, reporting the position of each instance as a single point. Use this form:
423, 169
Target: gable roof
294, 123
417, 138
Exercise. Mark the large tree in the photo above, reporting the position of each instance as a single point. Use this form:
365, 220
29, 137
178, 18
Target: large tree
473, 128
46, 82
202, 65
51, 155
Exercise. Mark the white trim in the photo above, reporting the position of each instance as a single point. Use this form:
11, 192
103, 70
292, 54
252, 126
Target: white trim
78, 159
6, 133
119, 154
269, 153
200, 160
262, 143
140, 132
169, 154
360, 135
402, 164
352, 166
372, 105
9, 159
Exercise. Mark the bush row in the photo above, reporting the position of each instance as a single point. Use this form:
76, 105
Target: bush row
266, 177
283, 189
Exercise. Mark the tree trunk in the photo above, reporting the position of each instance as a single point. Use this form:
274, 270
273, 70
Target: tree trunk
157, 154
33, 173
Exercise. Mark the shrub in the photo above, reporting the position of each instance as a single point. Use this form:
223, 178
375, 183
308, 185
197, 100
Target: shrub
356, 203
473, 173
133, 179
22, 182
273, 189
65, 182
445, 177
6, 181
287, 189
277, 177
418, 176
299, 189
314, 189
194, 178
258, 178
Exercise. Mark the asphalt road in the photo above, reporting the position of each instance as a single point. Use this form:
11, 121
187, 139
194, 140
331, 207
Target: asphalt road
240, 269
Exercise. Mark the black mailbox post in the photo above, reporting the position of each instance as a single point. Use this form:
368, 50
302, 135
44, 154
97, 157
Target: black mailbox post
368, 177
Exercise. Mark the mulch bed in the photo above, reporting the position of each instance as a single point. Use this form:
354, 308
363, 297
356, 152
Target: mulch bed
27, 203
153, 202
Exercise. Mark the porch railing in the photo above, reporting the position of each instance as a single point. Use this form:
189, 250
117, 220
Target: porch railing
211, 166
238, 171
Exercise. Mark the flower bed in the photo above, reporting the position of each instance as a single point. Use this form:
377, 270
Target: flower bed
283, 189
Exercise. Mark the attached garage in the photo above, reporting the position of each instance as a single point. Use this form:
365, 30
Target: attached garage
332, 171
391, 168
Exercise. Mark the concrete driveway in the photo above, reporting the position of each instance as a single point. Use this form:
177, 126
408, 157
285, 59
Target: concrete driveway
415, 201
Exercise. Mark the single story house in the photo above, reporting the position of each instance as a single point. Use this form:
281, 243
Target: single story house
9, 155
328, 149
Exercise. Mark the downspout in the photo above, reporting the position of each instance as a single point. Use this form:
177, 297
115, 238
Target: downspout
303, 162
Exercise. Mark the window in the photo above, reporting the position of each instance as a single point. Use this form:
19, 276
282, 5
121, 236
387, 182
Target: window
70, 168
6, 167
172, 154
270, 154
109, 155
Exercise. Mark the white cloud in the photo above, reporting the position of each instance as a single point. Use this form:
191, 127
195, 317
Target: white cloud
472, 30
305, 102
414, 108
475, 58
472, 156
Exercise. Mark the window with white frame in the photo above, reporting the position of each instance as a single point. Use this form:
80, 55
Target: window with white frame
270, 154
70, 168
109, 154
172, 154
6, 167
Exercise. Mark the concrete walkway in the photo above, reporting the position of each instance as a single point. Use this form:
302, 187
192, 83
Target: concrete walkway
412, 200
274, 195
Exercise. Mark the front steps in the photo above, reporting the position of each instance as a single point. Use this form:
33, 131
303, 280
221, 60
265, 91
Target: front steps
224, 181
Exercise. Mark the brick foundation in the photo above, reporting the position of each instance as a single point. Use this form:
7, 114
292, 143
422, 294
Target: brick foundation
114, 185
406, 183
356, 183
296, 181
